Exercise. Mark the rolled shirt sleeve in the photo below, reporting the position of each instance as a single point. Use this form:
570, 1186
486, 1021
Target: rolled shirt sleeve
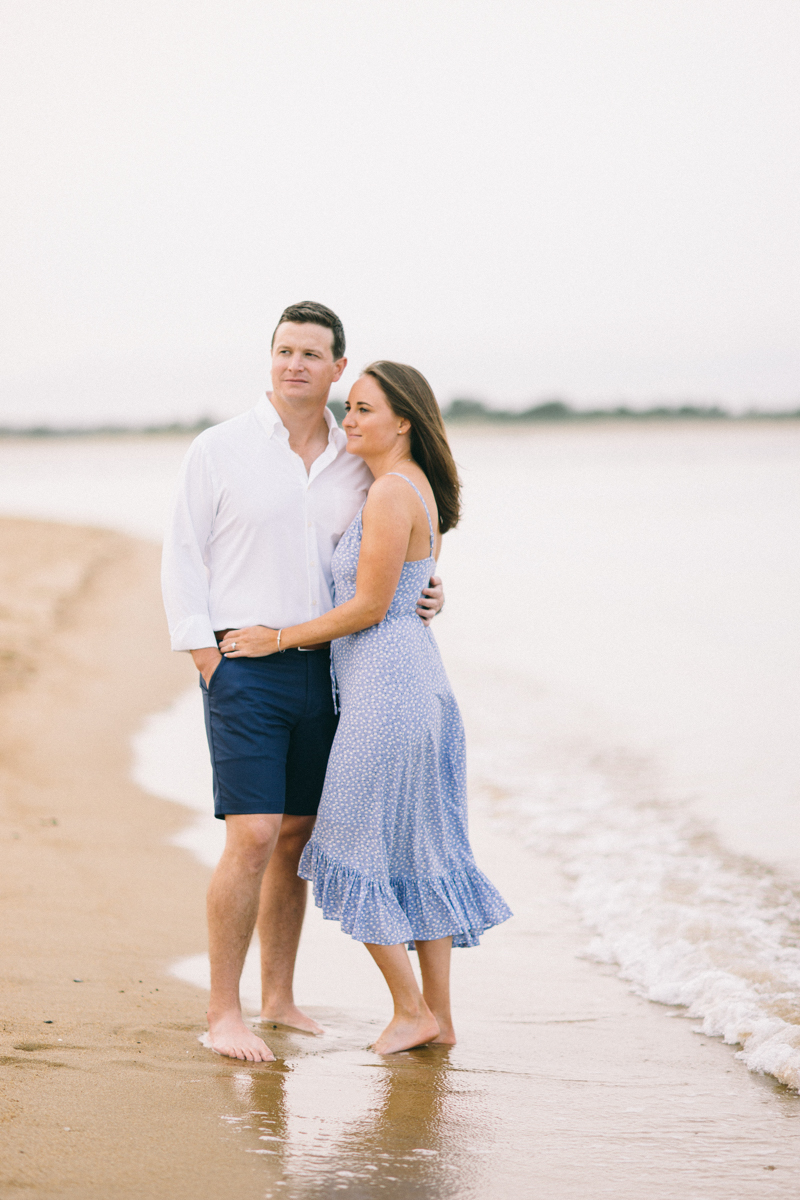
184, 570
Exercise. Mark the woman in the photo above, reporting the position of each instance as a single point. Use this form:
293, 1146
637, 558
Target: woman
390, 857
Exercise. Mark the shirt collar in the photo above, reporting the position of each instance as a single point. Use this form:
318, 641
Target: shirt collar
267, 414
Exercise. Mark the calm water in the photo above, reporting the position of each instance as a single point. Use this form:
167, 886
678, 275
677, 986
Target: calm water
650, 577
621, 627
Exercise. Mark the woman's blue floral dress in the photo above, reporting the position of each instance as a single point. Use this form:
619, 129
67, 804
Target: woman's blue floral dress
390, 856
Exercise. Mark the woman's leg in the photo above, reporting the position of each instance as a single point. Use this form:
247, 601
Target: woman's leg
434, 963
413, 1022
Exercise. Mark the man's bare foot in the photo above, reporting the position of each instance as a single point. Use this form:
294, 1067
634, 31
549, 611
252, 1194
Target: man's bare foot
404, 1032
291, 1016
228, 1035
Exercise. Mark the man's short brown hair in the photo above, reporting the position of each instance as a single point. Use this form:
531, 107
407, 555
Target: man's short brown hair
308, 312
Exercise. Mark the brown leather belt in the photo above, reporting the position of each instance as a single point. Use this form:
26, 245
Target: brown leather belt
219, 634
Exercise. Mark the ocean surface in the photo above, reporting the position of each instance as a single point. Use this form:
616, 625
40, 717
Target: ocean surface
622, 631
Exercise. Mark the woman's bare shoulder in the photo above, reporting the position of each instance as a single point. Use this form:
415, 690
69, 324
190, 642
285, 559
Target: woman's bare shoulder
390, 489
387, 507
392, 495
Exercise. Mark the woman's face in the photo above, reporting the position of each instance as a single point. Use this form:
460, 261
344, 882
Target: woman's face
372, 428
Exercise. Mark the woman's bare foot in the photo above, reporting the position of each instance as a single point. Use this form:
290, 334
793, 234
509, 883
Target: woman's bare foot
405, 1031
228, 1035
447, 1034
291, 1016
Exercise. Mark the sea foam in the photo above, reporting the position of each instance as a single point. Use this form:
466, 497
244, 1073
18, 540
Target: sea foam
686, 922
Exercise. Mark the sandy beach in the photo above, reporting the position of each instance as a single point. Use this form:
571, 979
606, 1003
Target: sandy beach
93, 1072
563, 1082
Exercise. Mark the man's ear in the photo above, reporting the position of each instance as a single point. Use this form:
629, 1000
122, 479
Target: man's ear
338, 368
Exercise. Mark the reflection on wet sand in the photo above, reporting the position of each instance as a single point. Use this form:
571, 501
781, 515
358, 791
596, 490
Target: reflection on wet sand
340, 1119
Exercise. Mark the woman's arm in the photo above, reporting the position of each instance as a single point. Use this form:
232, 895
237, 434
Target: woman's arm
387, 521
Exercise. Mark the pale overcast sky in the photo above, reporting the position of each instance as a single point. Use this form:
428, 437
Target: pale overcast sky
594, 200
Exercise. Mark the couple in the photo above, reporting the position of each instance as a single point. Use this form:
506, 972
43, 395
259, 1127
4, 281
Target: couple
273, 521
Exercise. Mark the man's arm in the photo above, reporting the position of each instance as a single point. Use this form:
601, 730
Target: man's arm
431, 601
184, 578
206, 660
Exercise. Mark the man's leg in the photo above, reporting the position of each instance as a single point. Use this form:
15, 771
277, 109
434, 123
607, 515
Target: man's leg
280, 921
283, 893
233, 898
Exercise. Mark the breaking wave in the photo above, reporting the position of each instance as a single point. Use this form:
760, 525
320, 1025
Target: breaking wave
686, 922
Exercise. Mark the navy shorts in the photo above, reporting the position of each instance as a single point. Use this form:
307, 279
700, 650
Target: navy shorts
270, 724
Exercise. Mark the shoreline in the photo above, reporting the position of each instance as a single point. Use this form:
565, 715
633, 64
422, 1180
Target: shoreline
564, 1082
488, 419
96, 1035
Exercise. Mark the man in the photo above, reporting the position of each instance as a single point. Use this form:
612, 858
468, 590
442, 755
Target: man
262, 502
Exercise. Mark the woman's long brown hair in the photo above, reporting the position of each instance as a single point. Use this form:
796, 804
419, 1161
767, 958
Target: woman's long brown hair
410, 395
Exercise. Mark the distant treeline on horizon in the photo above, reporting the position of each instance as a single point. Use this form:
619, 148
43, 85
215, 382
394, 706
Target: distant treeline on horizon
559, 410
458, 412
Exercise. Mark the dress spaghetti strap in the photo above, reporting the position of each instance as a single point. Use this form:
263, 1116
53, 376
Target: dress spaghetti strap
424, 505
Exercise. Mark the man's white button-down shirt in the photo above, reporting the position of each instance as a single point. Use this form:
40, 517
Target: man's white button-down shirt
252, 532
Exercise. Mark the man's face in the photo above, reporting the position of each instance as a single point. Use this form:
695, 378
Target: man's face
303, 366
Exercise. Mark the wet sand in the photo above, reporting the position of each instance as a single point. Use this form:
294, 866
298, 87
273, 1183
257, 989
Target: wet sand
94, 1073
563, 1082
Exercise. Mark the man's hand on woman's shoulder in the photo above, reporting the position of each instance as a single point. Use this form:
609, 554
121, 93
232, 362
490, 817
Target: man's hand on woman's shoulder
431, 601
